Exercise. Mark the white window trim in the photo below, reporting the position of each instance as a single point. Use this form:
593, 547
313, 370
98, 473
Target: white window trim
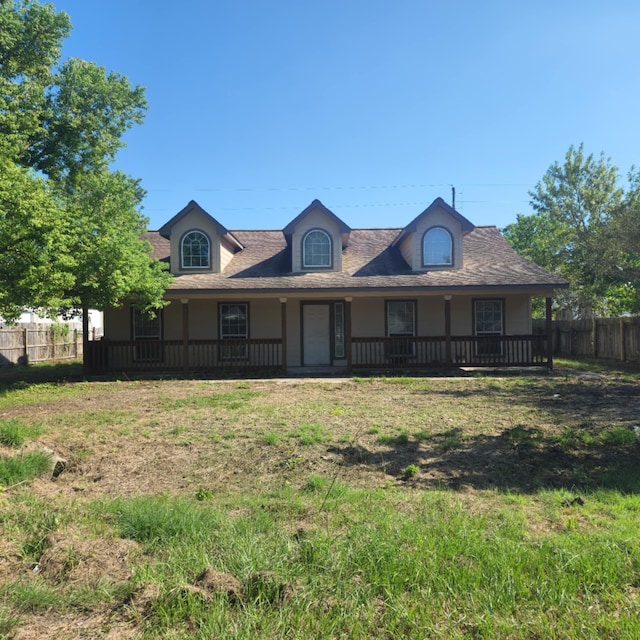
426, 263
182, 252
305, 264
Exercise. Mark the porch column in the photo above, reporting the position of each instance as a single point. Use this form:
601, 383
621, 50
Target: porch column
347, 330
549, 323
185, 333
283, 331
447, 330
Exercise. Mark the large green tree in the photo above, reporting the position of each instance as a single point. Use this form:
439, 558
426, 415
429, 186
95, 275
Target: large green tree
579, 229
69, 226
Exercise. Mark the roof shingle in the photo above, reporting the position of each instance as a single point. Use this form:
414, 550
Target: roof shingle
369, 262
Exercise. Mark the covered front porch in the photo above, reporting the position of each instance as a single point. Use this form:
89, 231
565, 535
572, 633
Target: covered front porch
276, 336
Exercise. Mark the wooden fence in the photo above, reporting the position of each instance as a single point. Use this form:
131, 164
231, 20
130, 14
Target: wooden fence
606, 338
21, 345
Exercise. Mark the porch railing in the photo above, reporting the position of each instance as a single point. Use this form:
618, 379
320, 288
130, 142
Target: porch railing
433, 352
366, 353
173, 355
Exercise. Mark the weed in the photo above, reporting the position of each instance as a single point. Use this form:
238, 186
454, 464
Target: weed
402, 439
41, 524
8, 622
30, 596
619, 437
13, 432
23, 468
156, 520
230, 400
204, 494
524, 437
451, 439
271, 438
410, 471
308, 434
317, 483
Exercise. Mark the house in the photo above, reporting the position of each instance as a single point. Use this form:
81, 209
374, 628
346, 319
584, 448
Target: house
439, 292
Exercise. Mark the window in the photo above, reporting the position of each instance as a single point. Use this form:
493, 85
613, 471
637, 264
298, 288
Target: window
316, 249
489, 321
195, 251
147, 334
401, 323
234, 325
437, 247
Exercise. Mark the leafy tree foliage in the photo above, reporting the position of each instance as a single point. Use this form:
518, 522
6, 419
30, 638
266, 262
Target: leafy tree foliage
580, 229
69, 226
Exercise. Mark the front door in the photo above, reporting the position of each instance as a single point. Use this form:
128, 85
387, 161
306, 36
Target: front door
316, 340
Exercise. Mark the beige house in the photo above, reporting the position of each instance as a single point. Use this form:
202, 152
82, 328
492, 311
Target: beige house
439, 292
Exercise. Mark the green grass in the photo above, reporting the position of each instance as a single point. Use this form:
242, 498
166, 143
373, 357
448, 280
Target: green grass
23, 468
230, 400
324, 504
156, 521
308, 434
361, 567
13, 432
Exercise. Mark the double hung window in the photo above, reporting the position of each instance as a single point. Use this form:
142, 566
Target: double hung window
489, 321
234, 327
147, 335
401, 326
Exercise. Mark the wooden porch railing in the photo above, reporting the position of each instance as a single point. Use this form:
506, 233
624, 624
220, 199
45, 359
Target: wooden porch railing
434, 352
411, 352
171, 355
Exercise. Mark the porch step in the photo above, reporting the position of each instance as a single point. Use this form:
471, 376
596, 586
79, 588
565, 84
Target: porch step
317, 372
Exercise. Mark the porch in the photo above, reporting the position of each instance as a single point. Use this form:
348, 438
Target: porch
362, 354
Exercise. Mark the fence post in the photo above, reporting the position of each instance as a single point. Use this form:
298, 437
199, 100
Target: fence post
594, 337
623, 355
75, 343
26, 346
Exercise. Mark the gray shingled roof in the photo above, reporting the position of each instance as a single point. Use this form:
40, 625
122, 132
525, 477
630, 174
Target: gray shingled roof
369, 262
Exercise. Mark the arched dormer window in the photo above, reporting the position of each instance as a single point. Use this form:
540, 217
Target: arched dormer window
195, 251
316, 249
437, 248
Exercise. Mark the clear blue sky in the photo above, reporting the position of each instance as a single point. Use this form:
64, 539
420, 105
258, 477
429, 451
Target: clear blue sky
376, 107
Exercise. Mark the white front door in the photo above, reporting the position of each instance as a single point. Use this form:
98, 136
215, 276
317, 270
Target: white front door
316, 342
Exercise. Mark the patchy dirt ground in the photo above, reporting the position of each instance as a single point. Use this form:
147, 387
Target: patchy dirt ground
516, 433
521, 434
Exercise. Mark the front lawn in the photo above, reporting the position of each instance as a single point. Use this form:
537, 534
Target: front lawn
466, 507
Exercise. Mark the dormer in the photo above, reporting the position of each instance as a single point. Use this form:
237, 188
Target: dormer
199, 243
433, 240
316, 237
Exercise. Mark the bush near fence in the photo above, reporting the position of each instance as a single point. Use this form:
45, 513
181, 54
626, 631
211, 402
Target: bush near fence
606, 338
37, 343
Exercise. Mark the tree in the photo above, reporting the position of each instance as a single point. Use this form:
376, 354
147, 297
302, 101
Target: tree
576, 230
35, 261
69, 226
